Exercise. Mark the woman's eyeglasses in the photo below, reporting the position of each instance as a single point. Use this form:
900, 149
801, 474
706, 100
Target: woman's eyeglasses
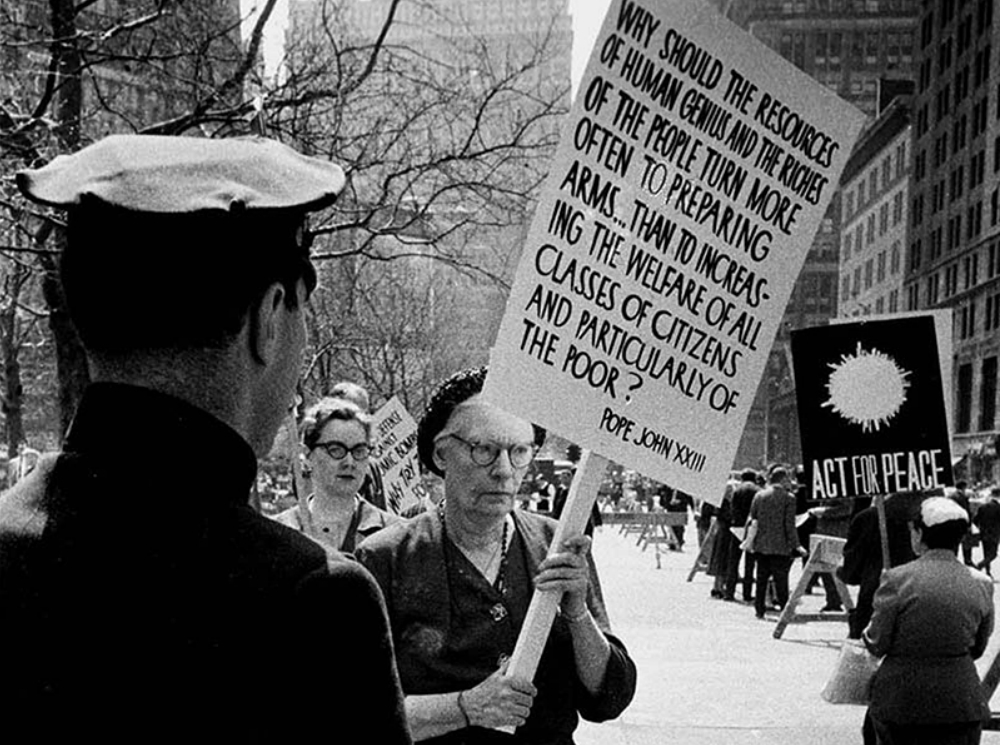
339, 451
486, 453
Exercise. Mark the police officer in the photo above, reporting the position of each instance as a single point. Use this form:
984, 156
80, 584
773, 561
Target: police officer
136, 611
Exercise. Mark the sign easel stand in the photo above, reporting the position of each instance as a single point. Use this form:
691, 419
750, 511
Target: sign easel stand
705, 552
544, 605
826, 555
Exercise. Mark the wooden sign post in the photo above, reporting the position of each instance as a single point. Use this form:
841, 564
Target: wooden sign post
543, 607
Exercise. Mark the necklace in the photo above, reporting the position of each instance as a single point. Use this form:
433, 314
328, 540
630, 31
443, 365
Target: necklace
498, 611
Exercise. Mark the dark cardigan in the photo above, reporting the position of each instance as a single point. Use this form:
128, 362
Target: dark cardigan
409, 563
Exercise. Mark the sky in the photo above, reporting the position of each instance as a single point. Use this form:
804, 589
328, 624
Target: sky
587, 18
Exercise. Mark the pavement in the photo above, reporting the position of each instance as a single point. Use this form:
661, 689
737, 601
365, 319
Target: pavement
709, 672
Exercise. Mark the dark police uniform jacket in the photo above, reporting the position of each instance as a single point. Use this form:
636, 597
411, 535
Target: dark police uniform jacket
143, 600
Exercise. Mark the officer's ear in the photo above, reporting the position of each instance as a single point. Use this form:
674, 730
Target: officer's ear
265, 320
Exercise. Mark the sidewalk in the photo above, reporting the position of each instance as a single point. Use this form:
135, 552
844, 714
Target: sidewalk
710, 673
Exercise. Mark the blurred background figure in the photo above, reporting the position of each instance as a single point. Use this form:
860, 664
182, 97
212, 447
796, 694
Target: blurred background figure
372, 488
987, 519
336, 435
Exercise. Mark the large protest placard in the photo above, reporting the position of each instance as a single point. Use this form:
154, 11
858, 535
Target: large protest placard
871, 403
394, 455
692, 175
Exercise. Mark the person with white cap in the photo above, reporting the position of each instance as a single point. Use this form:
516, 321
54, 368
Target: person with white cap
185, 270
933, 617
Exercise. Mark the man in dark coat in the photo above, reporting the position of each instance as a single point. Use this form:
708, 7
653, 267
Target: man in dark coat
863, 552
742, 498
961, 496
126, 617
987, 519
775, 542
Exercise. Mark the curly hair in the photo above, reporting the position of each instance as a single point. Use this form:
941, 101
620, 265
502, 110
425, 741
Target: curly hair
324, 411
455, 390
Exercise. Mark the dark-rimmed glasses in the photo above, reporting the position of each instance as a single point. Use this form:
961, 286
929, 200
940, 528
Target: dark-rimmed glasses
486, 453
339, 451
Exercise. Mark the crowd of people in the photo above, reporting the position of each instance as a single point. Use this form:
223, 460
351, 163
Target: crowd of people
927, 616
128, 621
131, 622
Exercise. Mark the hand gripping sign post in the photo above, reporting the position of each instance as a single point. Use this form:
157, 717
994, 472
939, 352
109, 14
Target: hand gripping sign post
693, 172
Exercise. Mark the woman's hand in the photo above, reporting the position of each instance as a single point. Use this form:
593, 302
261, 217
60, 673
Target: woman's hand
567, 571
499, 701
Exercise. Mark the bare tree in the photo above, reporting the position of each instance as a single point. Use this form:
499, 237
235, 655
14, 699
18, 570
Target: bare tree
444, 130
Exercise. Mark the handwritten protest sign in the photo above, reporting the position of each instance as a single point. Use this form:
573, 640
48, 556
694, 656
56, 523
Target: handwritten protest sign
871, 404
692, 175
394, 455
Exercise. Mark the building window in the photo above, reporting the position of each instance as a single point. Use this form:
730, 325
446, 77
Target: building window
988, 395
880, 269
893, 301
964, 394
970, 265
933, 288
896, 258
992, 260
951, 280
967, 321
991, 321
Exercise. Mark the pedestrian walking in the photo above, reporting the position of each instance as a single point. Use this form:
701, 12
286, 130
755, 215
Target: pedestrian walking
962, 497
185, 271
742, 499
988, 521
775, 542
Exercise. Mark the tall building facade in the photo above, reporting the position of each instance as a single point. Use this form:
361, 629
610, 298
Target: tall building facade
874, 208
851, 47
954, 244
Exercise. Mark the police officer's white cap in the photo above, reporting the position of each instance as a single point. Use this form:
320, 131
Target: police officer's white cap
152, 173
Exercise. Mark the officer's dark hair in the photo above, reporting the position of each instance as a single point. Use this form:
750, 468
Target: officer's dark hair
139, 281
456, 389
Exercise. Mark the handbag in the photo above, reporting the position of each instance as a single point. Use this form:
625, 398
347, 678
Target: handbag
851, 682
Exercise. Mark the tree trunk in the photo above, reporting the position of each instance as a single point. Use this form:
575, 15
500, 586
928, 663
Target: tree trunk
13, 393
71, 361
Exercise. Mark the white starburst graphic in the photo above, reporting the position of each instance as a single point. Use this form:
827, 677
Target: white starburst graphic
867, 388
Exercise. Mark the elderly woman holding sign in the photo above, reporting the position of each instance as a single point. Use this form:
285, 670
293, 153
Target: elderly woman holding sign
337, 437
458, 580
